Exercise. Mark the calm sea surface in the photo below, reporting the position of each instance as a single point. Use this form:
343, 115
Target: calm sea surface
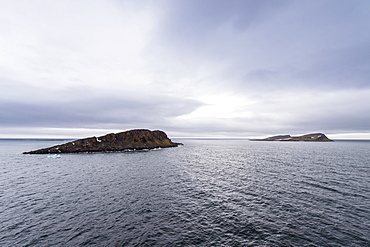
205, 193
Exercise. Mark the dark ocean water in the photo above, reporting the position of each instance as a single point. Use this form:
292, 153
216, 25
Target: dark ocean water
205, 193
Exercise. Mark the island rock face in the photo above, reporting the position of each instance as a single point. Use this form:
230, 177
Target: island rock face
315, 137
138, 139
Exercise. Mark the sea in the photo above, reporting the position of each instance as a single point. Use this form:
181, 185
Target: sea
219, 192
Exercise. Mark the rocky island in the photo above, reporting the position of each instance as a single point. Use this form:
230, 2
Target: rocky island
137, 139
315, 137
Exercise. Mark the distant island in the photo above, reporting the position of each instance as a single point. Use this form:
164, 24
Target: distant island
137, 139
315, 137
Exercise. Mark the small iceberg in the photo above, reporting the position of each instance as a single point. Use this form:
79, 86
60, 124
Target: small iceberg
54, 156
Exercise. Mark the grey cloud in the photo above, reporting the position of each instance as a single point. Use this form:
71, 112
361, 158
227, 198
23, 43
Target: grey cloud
343, 117
340, 68
91, 110
194, 20
333, 69
303, 44
261, 75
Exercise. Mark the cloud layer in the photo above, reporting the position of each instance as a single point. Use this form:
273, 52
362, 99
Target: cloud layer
192, 68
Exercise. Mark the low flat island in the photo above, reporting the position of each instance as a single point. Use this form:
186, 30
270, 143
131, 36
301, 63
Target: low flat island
137, 139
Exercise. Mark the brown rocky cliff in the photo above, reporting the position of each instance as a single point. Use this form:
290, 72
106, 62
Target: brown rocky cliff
137, 139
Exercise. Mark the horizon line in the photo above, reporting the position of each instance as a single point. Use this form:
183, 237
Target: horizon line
194, 138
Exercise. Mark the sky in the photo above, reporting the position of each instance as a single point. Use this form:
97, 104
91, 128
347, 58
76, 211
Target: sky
210, 68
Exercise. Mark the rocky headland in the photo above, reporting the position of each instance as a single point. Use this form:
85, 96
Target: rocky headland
138, 139
315, 137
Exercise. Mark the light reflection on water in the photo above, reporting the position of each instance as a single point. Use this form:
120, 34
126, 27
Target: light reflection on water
207, 192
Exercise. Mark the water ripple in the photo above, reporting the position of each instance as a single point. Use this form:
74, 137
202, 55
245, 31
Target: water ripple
206, 193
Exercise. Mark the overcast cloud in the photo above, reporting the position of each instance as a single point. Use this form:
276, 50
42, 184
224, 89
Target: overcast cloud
191, 68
